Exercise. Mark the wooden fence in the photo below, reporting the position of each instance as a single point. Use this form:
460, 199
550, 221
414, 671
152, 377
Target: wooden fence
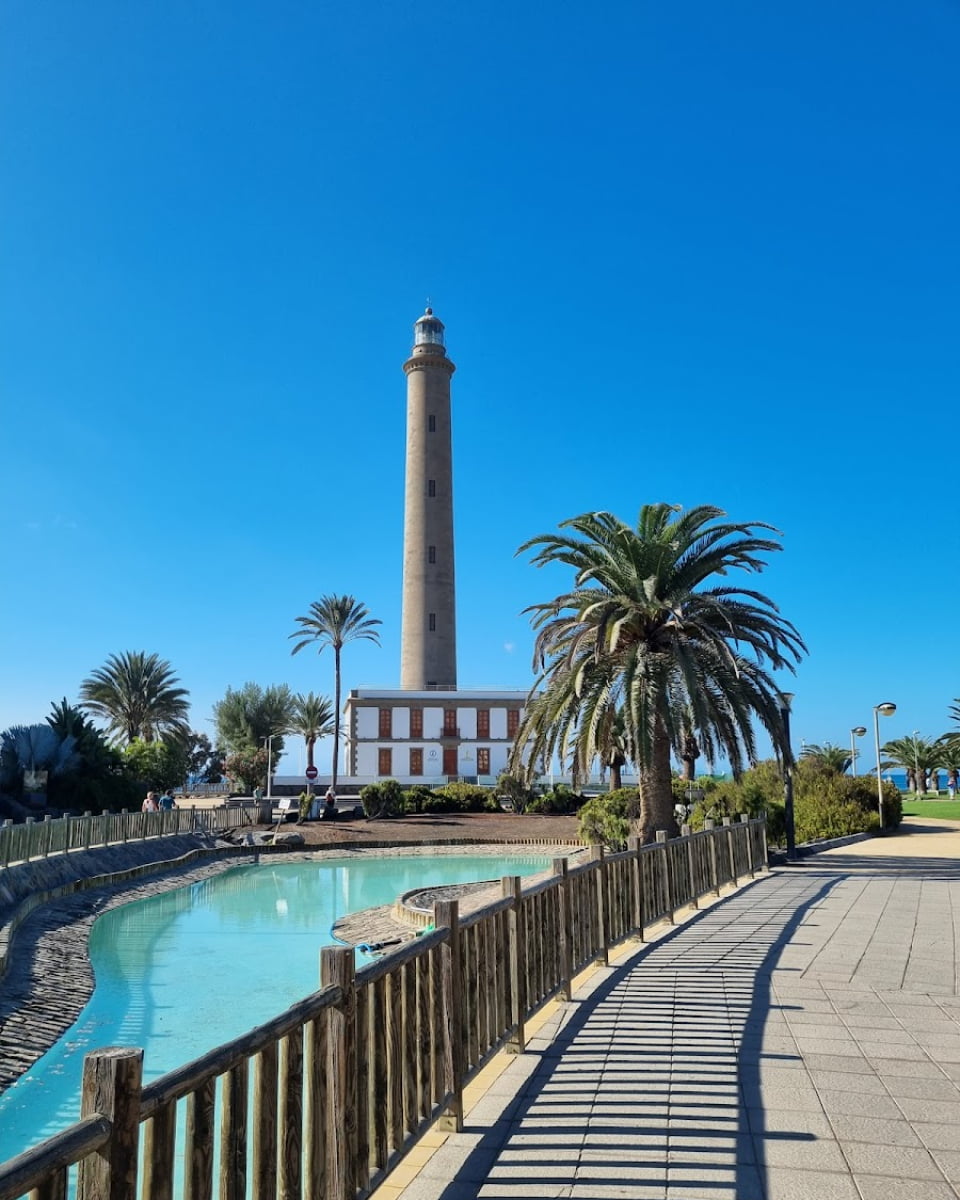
40, 839
324, 1100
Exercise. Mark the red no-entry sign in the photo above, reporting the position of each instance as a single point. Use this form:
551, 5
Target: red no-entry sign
312, 772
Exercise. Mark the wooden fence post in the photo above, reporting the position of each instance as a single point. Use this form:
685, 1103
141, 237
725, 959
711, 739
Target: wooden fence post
512, 886
685, 832
112, 1080
765, 857
562, 868
600, 887
46, 837
5, 842
662, 840
636, 887
337, 970
446, 915
745, 822
710, 825
731, 854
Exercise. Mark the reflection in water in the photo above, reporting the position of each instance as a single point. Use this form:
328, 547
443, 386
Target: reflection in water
190, 969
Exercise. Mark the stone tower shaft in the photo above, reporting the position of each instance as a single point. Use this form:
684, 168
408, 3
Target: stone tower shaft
428, 652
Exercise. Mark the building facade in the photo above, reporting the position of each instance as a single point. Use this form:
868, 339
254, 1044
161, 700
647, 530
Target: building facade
431, 737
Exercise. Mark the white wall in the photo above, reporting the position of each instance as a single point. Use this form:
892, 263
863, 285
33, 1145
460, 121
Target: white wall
401, 722
498, 722
467, 721
432, 722
368, 725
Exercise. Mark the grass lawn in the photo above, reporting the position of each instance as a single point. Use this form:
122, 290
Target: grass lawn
946, 810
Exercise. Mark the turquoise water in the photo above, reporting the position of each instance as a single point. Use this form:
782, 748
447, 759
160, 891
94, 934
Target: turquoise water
186, 971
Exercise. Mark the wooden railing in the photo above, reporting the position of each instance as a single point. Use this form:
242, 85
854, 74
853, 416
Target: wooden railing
40, 839
325, 1099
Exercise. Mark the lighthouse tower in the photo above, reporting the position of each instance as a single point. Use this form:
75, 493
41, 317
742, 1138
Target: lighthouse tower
428, 652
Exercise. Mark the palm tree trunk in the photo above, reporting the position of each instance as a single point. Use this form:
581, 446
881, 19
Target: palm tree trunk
656, 790
310, 745
616, 778
336, 715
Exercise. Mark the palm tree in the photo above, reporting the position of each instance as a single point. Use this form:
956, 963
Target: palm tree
829, 757
333, 621
137, 694
916, 755
647, 630
247, 717
313, 718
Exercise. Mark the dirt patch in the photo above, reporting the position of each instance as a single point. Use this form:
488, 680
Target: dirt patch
439, 827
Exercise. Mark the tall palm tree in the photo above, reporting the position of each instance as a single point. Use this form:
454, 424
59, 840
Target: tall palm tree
313, 718
829, 757
916, 756
647, 630
137, 694
333, 621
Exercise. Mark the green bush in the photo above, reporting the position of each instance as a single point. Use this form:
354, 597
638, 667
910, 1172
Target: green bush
384, 799
606, 819
514, 789
559, 800
417, 798
827, 816
458, 797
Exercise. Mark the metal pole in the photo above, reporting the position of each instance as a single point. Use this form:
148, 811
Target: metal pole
853, 753
876, 740
916, 768
269, 741
788, 786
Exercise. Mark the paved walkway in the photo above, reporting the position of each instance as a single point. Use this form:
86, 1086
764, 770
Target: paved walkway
797, 1041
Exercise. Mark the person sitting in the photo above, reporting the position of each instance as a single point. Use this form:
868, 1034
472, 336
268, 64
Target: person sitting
329, 806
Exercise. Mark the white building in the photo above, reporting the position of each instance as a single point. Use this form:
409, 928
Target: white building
430, 737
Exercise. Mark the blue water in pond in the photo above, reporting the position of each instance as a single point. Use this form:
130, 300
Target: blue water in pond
181, 973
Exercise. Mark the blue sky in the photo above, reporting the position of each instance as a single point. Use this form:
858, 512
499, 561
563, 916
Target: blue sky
684, 251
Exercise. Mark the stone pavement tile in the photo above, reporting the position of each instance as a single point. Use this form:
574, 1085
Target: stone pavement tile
807, 1154
871, 1085
740, 1182
952, 1069
889, 1037
854, 1022
803, 1098
716, 1151
930, 1110
876, 1187
873, 1129
909, 1052
847, 1047
937, 1136
596, 1191
860, 1104
837, 1062
922, 1089
427, 1188
949, 1163
924, 1069
505, 1191
797, 1184
899, 1162
782, 1122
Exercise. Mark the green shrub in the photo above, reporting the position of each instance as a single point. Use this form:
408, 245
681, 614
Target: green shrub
417, 798
458, 797
606, 819
827, 816
513, 789
560, 799
384, 799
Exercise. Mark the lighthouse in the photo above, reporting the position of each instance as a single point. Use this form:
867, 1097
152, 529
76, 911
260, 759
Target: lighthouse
428, 647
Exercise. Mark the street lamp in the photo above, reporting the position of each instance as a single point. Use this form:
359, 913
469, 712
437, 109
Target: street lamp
788, 822
269, 740
916, 767
887, 709
855, 732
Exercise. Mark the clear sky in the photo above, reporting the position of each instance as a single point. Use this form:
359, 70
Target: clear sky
684, 251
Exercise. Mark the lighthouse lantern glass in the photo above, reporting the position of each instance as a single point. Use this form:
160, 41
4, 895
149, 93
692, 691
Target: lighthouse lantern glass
429, 332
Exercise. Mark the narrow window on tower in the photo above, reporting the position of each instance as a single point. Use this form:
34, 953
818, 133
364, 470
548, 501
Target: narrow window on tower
431, 554
431, 424
432, 622
431, 487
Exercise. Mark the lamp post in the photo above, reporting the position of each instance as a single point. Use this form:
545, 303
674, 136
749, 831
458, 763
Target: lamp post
887, 709
269, 740
788, 822
855, 732
916, 767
